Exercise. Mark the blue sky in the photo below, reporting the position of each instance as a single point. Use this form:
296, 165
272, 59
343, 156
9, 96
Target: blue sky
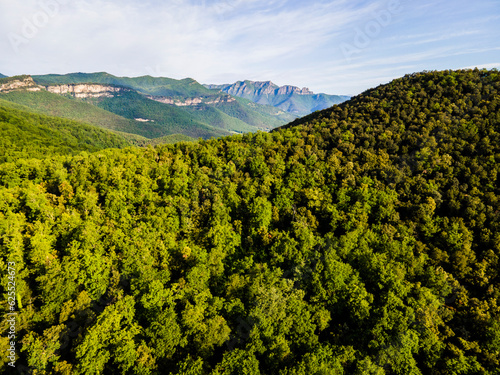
336, 47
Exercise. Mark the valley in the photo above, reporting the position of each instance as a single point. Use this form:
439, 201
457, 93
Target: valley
171, 106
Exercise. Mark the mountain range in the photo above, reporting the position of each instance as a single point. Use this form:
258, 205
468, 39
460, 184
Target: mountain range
146, 106
294, 100
154, 107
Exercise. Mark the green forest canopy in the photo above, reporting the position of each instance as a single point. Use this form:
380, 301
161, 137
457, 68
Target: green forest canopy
363, 239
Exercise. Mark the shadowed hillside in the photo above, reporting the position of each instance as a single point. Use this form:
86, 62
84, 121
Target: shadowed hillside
27, 135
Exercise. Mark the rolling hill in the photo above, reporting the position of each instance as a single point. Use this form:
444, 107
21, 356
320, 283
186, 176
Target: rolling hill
55, 105
362, 239
187, 96
174, 120
24, 134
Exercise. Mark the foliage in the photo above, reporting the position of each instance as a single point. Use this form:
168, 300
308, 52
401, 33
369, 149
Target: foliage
137, 140
363, 240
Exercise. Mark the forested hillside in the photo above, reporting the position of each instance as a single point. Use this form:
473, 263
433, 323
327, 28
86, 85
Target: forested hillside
28, 135
363, 239
46, 103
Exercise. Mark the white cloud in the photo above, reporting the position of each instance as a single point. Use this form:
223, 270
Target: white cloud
288, 41
437, 37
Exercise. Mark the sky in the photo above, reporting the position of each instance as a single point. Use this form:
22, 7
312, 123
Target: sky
334, 47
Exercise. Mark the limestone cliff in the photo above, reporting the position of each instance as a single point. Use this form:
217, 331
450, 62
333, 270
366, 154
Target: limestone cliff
19, 83
78, 90
291, 99
87, 90
192, 101
258, 88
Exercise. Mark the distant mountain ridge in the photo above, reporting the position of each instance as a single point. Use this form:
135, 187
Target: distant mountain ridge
241, 88
156, 86
212, 106
77, 90
151, 107
106, 105
292, 99
2, 76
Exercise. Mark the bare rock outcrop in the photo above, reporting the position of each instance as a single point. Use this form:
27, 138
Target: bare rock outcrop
78, 90
86, 90
23, 83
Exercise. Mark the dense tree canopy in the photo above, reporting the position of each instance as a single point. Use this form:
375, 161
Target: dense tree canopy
363, 239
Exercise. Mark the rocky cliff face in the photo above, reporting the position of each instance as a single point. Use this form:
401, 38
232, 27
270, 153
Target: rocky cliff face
291, 99
85, 91
289, 90
257, 88
246, 88
23, 83
192, 101
91, 91
82, 91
